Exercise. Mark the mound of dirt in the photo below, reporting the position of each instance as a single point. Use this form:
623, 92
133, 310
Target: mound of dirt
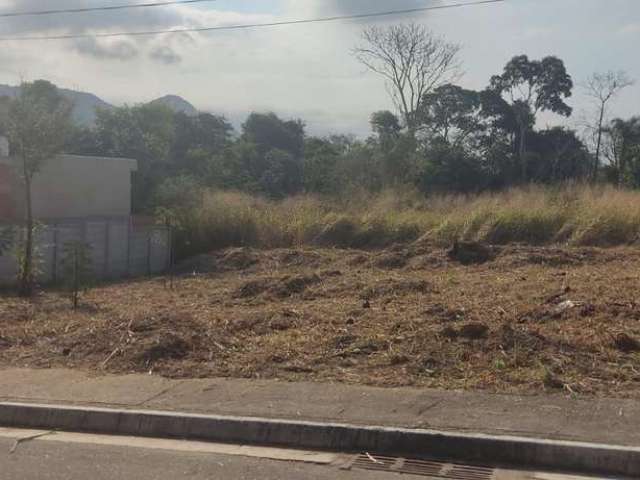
469, 253
395, 287
357, 260
253, 288
548, 256
445, 314
511, 337
391, 261
292, 285
261, 323
626, 343
135, 345
282, 287
350, 346
299, 258
470, 331
163, 346
227, 260
238, 259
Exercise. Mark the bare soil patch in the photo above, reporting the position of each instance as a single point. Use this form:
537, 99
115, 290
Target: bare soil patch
526, 320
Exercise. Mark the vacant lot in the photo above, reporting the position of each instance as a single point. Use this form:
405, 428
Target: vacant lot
528, 320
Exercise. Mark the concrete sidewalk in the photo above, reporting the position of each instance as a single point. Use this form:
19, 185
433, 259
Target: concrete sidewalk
608, 421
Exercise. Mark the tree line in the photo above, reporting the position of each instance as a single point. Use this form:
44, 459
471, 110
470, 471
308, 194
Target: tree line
441, 137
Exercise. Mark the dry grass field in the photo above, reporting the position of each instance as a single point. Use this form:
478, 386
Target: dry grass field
528, 319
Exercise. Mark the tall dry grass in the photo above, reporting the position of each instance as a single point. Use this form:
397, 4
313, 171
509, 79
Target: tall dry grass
576, 215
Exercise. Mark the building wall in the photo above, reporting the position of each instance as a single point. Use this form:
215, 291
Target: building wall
70, 186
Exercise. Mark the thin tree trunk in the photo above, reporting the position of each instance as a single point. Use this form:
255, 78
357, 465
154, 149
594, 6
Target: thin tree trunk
521, 153
26, 280
596, 164
76, 282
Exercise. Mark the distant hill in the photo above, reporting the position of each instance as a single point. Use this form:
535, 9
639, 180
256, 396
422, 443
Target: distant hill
85, 104
177, 104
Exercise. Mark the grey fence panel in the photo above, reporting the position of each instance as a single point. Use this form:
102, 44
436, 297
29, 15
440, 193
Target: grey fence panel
139, 253
118, 249
160, 250
95, 236
65, 234
8, 270
44, 253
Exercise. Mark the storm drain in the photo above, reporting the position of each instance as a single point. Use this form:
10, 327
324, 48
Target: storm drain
426, 468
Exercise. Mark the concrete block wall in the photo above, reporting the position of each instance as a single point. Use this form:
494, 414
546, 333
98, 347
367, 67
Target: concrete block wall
119, 248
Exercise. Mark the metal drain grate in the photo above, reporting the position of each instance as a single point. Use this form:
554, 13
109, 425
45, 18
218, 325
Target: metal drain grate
426, 468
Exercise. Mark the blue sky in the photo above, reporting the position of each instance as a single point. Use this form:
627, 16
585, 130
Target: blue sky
307, 70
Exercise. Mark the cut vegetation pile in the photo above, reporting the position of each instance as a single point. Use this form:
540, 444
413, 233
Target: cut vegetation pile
523, 319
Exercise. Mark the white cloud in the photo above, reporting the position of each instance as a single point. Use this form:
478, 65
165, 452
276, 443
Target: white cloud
107, 49
305, 70
630, 29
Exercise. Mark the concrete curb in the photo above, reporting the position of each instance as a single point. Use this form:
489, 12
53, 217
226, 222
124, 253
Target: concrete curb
508, 450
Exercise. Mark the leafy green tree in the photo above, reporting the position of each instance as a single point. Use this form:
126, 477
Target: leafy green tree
387, 127
38, 121
269, 155
321, 157
533, 86
450, 114
395, 148
283, 174
205, 134
622, 150
557, 155
449, 168
268, 132
83, 141
182, 192
145, 133
177, 205
498, 142
361, 166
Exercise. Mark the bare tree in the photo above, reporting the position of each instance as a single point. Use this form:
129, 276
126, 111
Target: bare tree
414, 62
602, 88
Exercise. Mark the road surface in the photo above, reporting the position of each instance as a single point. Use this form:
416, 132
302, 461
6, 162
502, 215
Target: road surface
42, 455
43, 460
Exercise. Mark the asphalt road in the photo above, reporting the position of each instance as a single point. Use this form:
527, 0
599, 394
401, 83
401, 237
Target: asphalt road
42, 460
46, 455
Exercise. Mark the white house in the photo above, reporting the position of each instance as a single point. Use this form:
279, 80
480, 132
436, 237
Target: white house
68, 186
88, 199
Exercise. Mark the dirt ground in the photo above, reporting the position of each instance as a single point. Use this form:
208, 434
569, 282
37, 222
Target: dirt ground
527, 320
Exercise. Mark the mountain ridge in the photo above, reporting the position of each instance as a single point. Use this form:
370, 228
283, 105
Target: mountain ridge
86, 103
